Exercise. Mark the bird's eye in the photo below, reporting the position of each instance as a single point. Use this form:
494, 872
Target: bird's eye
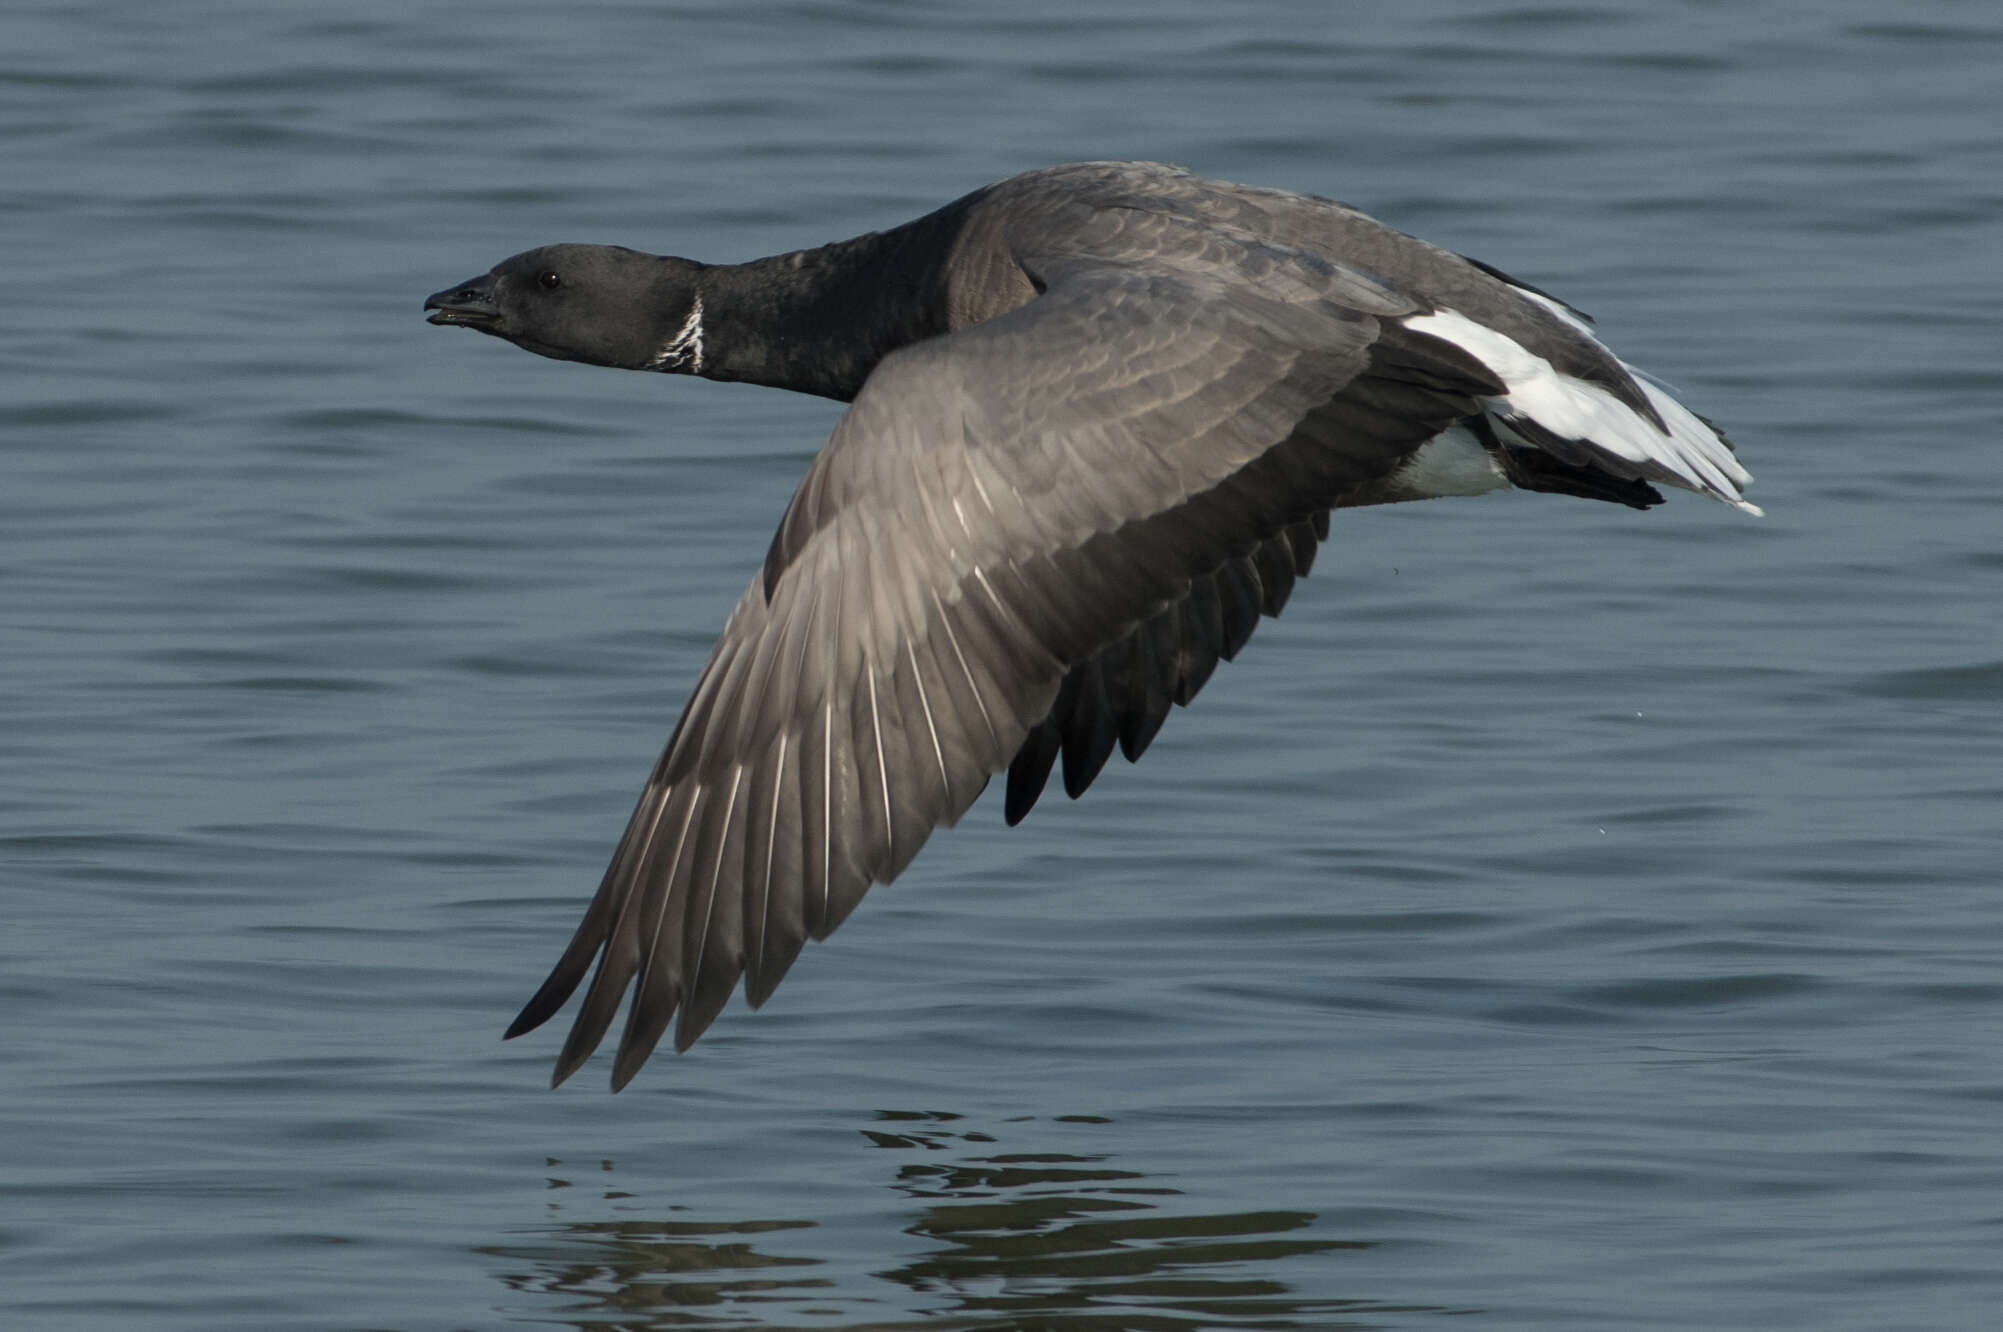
549, 280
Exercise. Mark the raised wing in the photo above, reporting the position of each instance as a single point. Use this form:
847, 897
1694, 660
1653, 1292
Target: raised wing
999, 506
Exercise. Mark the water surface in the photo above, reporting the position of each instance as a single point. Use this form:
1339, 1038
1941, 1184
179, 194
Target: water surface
1565, 917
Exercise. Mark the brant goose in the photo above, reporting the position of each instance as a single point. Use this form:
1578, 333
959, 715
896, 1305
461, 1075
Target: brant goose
1100, 414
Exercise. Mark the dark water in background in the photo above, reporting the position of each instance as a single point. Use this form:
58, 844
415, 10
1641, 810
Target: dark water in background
1564, 918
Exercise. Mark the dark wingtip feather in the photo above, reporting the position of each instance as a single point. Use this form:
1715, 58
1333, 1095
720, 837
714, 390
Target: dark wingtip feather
691, 1026
1239, 597
544, 1004
763, 977
1092, 732
1152, 671
585, 942
707, 997
1138, 729
567, 1063
1275, 564
1030, 770
648, 1013
601, 1003
628, 1062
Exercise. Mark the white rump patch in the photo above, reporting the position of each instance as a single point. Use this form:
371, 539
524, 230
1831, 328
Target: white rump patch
684, 349
1573, 409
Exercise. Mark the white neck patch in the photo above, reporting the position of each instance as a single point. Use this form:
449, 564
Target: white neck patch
684, 350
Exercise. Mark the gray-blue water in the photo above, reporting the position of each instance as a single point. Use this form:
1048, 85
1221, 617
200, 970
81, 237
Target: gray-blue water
1565, 918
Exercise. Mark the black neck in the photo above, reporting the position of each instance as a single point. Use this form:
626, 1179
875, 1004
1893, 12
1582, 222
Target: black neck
818, 321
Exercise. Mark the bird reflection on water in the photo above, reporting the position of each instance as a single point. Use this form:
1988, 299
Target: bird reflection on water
1069, 1242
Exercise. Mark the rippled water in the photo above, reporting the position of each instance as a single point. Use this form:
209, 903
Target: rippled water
1566, 917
